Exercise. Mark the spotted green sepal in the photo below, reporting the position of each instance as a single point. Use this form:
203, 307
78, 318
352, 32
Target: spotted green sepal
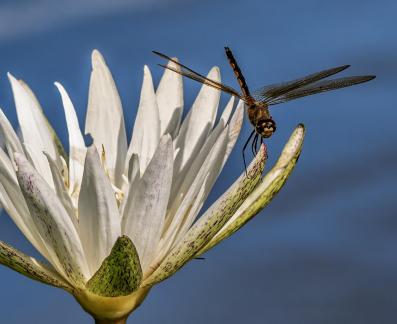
30, 267
265, 191
120, 273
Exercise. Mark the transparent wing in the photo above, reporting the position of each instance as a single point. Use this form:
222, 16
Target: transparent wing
189, 73
271, 92
321, 86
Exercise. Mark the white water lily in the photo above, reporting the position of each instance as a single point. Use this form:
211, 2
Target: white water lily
113, 219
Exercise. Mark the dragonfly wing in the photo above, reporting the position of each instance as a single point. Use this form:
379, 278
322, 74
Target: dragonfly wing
189, 73
321, 86
271, 92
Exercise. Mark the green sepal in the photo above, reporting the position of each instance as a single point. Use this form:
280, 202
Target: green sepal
266, 190
120, 273
30, 267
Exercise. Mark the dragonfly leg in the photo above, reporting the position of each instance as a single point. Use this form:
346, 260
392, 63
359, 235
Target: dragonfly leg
253, 144
244, 147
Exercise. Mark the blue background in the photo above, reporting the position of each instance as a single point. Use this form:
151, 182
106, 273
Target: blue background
324, 250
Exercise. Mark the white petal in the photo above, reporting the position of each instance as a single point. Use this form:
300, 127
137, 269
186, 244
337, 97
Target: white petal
62, 191
181, 213
146, 132
186, 177
99, 218
77, 149
15, 206
210, 223
198, 123
145, 210
132, 180
235, 127
227, 111
105, 121
170, 100
53, 223
9, 136
34, 128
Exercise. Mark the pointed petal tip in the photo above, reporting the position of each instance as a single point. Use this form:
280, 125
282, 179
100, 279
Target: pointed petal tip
11, 78
146, 70
214, 73
97, 59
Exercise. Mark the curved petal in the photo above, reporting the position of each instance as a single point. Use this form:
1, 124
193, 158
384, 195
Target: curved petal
98, 212
34, 127
236, 123
267, 189
146, 207
105, 120
77, 149
57, 143
146, 132
198, 123
169, 96
15, 206
9, 136
53, 223
211, 222
62, 191
227, 111
180, 211
199, 163
131, 184
206, 187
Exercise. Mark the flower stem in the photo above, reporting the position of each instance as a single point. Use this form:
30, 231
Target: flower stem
110, 321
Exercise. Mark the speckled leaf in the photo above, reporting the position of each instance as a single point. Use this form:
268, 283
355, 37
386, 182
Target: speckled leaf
120, 273
30, 267
211, 222
266, 190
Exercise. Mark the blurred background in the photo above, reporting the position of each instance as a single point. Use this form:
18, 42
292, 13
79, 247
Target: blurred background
324, 251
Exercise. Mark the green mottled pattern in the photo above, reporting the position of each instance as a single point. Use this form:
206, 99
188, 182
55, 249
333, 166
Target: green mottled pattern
120, 273
210, 223
29, 267
267, 189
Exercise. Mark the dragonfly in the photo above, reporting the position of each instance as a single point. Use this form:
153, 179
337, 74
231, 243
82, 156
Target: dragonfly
259, 101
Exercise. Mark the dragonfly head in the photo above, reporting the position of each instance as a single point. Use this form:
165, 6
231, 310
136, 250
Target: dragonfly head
265, 127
